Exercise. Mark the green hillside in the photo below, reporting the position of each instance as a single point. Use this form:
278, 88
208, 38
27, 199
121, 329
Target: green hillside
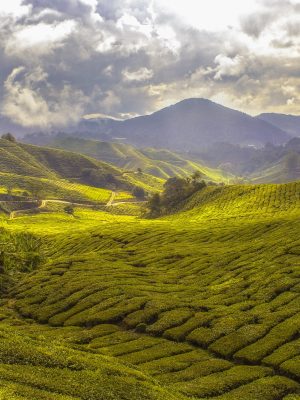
286, 169
201, 304
42, 162
15, 159
57, 174
160, 163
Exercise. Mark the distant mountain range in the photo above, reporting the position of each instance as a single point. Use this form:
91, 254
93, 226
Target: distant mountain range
189, 124
192, 124
288, 123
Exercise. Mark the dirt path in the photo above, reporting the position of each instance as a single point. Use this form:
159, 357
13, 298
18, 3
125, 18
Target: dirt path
129, 202
44, 203
110, 201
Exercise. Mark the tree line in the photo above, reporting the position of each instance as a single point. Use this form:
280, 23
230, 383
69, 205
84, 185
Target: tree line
175, 190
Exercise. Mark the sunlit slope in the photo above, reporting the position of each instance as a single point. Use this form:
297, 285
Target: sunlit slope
160, 163
206, 301
57, 174
42, 162
53, 188
14, 159
66, 163
242, 201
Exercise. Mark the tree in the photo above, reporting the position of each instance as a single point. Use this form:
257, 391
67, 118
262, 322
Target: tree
138, 192
69, 209
175, 189
9, 137
139, 170
197, 176
154, 205
36, 191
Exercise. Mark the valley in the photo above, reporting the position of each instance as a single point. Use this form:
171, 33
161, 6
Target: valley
149, 200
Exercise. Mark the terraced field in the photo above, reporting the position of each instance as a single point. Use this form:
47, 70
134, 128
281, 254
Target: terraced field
202, 304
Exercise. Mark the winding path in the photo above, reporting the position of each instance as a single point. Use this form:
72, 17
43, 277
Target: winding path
44, 203
111, 199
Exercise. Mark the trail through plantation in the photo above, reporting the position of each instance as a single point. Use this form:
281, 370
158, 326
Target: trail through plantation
204, 303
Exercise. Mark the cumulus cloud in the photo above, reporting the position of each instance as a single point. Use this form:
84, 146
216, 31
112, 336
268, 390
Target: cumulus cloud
25, 103
229, 67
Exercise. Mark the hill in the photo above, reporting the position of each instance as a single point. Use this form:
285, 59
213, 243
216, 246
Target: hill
269, 164
54, 173
288, 123
286, 169
203, 303
191, 124
161, 163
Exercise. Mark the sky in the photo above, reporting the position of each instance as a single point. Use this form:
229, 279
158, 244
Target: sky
61, 60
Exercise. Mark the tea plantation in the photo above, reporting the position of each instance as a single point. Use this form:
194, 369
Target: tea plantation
203, 303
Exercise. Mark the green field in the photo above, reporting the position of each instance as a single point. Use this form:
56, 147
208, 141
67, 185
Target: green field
203, 303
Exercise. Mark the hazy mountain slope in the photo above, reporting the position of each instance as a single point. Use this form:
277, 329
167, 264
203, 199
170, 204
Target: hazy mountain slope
189, 125
288, 123
251, 162
160, 163
287, 169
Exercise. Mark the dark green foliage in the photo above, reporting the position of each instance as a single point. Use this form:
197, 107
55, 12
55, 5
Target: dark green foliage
176, 190
9, 137
138, 192
69, 210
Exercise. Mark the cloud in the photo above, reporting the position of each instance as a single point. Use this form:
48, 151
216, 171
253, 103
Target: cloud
25, 104
61, 59
139, 75
40, 39
229, 67
255, 24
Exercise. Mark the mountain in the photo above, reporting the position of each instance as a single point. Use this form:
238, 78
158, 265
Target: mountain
188, 125
288, 123
158, 162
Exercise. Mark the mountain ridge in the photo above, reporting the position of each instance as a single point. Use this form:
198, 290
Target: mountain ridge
188, 124
288, 122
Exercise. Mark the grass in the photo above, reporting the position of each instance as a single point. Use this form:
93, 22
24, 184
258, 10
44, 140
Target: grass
203, 303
